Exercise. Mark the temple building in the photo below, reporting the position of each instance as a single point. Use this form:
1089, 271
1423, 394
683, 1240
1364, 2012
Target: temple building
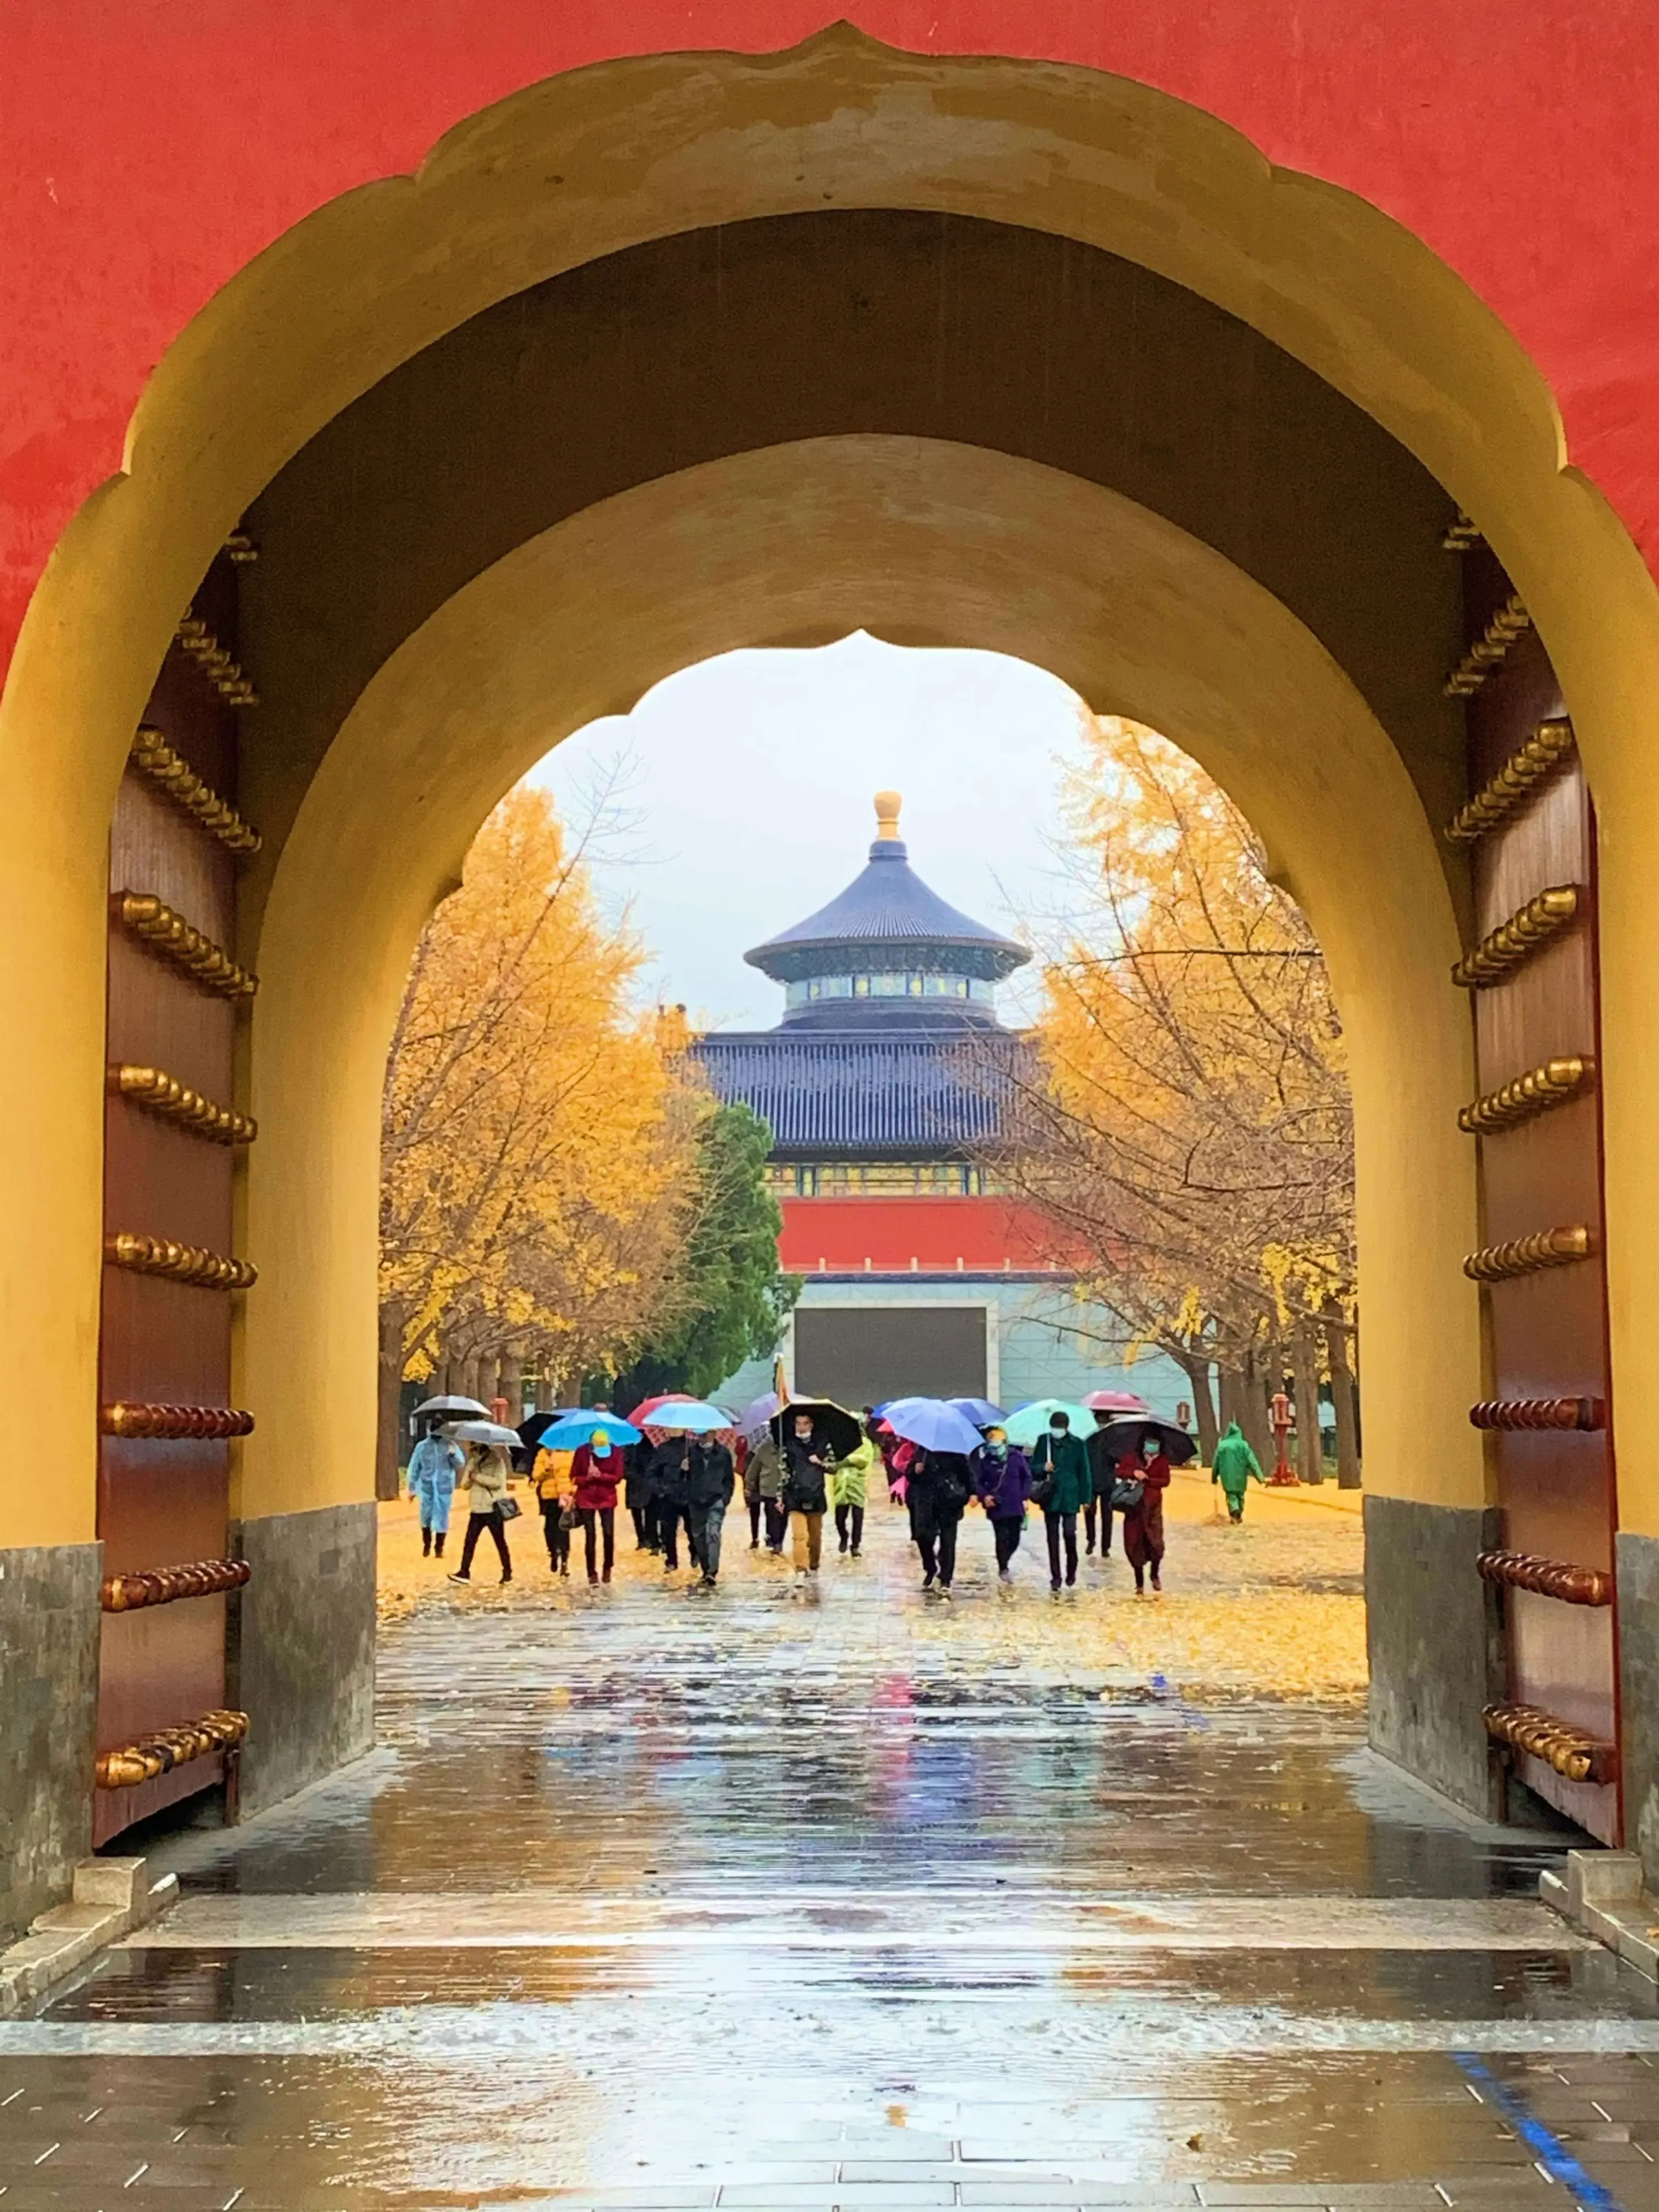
884, 1087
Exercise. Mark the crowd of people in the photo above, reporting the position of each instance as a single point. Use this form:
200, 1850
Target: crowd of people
678, 1488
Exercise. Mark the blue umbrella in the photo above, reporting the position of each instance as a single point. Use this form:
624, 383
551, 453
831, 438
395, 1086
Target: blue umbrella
932, 1424
980, 1411
691, 1415
575, 1429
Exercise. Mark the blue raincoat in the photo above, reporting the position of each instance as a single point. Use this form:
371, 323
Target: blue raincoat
432, 1466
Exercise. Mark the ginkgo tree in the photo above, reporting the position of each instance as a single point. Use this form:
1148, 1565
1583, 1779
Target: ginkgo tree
1184, 1123
539, 1135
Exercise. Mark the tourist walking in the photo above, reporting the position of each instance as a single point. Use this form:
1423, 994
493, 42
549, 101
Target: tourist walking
710, 1480
1235, 1465
849, 1480
1099, 1510
596, 1468
670, 1502
433, 1467
940, 1486
805, 1500
483, 1476
641, 1508
555, 1479
1060, 1483
1143, 1524
1004, 1487
763, 1491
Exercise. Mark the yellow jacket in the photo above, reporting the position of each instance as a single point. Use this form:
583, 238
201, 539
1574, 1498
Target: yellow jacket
552, 1476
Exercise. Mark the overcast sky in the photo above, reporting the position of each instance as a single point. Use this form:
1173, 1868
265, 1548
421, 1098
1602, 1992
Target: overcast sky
746, 800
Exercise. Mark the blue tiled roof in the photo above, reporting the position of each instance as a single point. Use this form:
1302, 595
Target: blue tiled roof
847, 1093
889, 908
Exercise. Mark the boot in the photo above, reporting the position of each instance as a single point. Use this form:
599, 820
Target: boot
426, 1543
438, 1544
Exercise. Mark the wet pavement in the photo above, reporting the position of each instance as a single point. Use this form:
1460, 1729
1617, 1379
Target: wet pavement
839, 1898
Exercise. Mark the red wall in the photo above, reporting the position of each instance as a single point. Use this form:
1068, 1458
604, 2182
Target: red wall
149, 149
836, 1236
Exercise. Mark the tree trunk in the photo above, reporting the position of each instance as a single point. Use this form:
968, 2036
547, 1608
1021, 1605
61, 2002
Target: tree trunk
513, 1383
1348, 1475
544, 1399
1309, 1451
388, 1442
1196, 1369
1252, 1414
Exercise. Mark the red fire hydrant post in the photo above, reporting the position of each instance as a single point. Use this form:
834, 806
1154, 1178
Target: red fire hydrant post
1281, 1415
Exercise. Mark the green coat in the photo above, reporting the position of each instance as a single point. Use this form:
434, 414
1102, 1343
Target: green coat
849, 1476
1235, 1462
1069, 1460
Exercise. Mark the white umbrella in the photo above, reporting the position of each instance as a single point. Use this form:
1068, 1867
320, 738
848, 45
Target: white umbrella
485, 1432
453, 1407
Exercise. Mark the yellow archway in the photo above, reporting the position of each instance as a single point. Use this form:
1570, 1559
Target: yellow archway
607, 157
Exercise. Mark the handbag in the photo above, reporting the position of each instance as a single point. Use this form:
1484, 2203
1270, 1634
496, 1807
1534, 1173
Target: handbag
1126, 1495
566, 1516
508, 1507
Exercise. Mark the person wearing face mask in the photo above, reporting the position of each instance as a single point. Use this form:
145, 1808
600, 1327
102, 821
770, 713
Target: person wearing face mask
1059, 1483
710, 1478
1143, 1524
806, 1460
1005, 1485
483, 1476
596, 1469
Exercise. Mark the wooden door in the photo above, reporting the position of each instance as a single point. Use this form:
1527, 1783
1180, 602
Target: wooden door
1532, 978
169, 1275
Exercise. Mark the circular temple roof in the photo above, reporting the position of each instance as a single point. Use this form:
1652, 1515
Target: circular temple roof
887, 913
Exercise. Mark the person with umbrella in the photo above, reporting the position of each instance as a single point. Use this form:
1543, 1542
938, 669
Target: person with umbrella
1143, 1524
710, 1478
1102, 1464
1005, 1486
483, 1476
1235, 1465
554, 1479
1060, 1483
805, 1462
763, 1489
433, 1467
596, 1470
849, 1480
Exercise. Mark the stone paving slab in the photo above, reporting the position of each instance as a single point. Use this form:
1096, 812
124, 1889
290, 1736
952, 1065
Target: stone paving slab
555, 1920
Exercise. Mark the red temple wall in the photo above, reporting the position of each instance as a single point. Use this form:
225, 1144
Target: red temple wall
982, 1236
151, 150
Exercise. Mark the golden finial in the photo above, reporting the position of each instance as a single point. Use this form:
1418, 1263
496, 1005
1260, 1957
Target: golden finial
888, 803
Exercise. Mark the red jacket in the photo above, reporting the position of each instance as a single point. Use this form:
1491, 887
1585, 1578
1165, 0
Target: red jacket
596, 1479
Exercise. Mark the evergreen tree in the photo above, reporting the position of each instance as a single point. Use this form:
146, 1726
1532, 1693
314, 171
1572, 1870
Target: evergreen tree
733, 1296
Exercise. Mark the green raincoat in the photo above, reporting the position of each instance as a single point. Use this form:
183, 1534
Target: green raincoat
1235, 1462
849, 1476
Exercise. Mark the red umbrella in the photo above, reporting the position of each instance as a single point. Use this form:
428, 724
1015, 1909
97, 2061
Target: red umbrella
642, 1413
1115, 1401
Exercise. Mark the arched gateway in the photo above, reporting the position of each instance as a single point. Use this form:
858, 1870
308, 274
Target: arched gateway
682, 353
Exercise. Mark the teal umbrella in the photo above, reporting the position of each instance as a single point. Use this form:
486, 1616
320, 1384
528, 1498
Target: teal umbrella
1024, 1427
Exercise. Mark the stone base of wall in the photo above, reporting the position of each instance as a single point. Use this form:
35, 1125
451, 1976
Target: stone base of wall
49, 1625
1638, 1561
301, 1647
1435, 1634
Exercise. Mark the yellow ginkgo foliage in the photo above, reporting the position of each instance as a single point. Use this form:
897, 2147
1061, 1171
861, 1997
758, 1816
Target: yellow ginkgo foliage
538, 1137
1186, 1124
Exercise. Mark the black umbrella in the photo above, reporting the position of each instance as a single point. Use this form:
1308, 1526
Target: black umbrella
1122, 1437
842, 1431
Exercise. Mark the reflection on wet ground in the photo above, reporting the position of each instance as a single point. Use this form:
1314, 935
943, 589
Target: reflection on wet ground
793, 1901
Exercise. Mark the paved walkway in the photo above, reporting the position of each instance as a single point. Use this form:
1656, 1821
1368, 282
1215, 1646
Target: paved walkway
808, 1899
